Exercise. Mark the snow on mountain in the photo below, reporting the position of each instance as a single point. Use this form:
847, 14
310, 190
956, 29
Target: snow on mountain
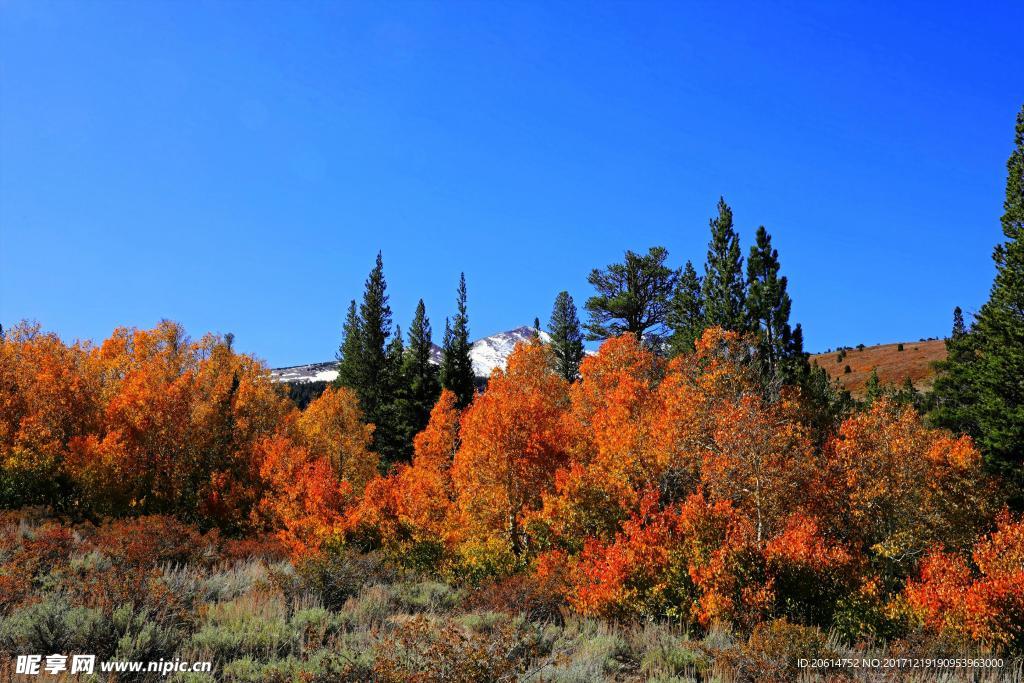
486, 353
493, 352
314, 372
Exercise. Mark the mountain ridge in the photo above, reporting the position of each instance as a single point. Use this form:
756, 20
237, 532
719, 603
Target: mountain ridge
487, 353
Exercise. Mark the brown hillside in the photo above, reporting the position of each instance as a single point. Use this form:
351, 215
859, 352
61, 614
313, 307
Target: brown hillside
914, 361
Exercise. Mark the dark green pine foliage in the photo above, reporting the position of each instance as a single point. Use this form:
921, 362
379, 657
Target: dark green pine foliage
456, 364
824, 403
367, 367
780, 353
391, 438
723, 285
953, 398
873, 389
421, 386
997, 369
631, 297
349, 359
536, 327
908, 395
566, 337
685, 312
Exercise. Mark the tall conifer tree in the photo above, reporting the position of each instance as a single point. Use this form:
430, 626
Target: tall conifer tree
953, 399
781, 352
983, 394
566, 338
873, 388
685, 312
723, 286
365, 364
422, 386
349, 359
456, 364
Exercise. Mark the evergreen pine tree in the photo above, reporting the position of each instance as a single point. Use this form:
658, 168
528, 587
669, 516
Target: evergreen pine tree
825, 403
780, 351
953, 399
395, 365
959, 329
999, 325
566, 338
456, 364
872, 388
366, 366
631, 297
421, 384
685, 312
723, 286
349, 360
536, 327
908, 395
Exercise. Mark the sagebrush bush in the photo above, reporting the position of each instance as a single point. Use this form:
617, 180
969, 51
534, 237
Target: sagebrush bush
246, 627
338, 574
263, 620
520, 594
772, 652
421, 649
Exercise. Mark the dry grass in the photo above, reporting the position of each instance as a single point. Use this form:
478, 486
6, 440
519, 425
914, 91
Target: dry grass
915, 361
350, 618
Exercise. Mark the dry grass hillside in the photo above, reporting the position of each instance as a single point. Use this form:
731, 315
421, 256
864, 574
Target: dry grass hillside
915, 361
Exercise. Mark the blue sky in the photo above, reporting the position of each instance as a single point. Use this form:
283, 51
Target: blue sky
236, 166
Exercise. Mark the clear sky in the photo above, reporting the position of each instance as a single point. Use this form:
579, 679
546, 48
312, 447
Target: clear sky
236, 166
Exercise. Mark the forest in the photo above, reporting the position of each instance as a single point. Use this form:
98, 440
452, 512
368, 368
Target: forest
694, 501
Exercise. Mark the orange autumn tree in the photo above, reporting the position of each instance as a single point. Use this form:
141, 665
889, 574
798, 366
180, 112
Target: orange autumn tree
898, 487
49, 395
150, 421
332, 429
512, 440
305, 501
716, 430
981, 597
712, 448
426, 487
609, 429
180, 423
315, 478
410, 508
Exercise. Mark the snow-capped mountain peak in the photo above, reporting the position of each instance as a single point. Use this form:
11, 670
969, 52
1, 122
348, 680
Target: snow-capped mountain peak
486, 353
493, 351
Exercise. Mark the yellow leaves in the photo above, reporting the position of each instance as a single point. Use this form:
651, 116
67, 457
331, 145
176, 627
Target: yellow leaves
331, 429
435, 447
959, 453
906, 485
512, 440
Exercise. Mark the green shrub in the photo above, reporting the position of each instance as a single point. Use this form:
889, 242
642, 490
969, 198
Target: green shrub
425, 596
144, 637
422, 649
772, 652
480, 561
371, 607
245, 627
664, 655
338, 574
41, 627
